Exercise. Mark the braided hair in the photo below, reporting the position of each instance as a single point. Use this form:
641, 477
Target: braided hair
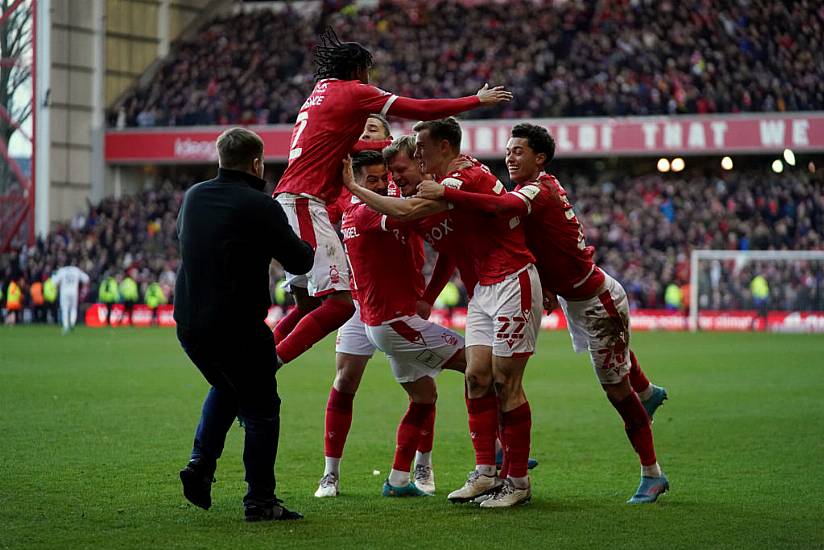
336, 59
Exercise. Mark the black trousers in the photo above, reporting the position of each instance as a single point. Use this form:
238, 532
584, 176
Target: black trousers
240, 366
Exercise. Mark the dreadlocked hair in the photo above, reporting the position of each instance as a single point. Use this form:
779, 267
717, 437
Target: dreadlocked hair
336, 59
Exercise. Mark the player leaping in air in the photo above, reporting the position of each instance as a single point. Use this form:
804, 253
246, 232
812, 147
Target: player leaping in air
326, 130
594, 303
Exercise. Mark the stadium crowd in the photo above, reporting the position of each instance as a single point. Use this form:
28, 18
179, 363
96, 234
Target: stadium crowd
129, 238
561, 59
643, 229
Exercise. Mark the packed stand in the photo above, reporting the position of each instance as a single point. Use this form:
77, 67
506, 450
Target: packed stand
643, 229
564, 59
127, 247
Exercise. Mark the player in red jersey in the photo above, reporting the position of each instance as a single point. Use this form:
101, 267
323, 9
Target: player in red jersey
326, 129
376, 135
352, 353
594, 303
502, 321
388, 292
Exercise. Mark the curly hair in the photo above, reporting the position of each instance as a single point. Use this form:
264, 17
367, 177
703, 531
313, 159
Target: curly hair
336, 59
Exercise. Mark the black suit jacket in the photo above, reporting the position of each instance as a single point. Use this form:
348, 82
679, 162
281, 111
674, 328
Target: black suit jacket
229, 231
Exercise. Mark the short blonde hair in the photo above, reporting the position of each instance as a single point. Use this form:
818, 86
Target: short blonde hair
404, 144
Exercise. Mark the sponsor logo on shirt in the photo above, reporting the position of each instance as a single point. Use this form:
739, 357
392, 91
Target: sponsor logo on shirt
439, 231
454, 183
349, 232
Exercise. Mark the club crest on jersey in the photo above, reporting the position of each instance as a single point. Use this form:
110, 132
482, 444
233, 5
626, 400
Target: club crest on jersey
449, 339
334, 274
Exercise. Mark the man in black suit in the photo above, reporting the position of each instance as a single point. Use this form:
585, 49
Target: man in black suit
229, 231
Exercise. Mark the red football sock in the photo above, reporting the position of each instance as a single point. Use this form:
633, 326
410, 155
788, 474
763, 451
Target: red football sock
338, 422
636, 424
330, 315
483, 425
409, 434
427, 436
637, 378
287, 324
517, 425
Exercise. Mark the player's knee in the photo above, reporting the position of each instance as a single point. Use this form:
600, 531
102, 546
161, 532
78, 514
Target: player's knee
347, 381
478, 382
617, 392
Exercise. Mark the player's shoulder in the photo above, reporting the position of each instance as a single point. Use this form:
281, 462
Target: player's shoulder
355, 87
474, 173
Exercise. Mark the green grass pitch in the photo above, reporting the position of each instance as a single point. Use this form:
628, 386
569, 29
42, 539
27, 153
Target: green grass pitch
96, 425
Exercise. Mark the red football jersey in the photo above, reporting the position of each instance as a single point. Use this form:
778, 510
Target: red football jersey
384, 270
553, 234
439, 231
327, 128
556, 237
497, 244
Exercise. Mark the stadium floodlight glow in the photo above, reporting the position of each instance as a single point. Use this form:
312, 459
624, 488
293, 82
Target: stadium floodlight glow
789, 157
777, 166
678, 164
726, 163
663, 165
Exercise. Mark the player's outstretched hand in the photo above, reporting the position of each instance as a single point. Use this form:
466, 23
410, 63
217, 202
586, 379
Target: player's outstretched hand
348, 174
550, 301
491, 96
429, 189
459, 163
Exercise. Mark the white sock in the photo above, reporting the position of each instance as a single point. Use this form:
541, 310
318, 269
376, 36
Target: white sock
651, 471
398, 478
332, 466
647, 393
423, 459
520, 482
486, 469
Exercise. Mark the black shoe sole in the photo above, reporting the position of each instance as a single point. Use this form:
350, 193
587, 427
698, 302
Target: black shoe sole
194, 494
287, 515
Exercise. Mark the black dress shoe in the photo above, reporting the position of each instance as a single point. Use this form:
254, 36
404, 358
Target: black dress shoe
197, 487
275, 512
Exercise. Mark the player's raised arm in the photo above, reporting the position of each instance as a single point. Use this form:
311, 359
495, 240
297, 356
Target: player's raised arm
516, 203
430, 109
394, 207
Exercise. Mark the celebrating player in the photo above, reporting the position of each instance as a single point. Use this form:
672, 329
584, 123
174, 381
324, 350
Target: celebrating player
594, 303
353, 351
503, 317
388, 292
326, 129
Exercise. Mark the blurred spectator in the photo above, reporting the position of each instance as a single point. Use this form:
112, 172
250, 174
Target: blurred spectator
560, 59
641, 244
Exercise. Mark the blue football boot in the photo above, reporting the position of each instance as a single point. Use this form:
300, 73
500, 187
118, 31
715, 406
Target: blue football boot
408, 490
650, 489
659, 395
